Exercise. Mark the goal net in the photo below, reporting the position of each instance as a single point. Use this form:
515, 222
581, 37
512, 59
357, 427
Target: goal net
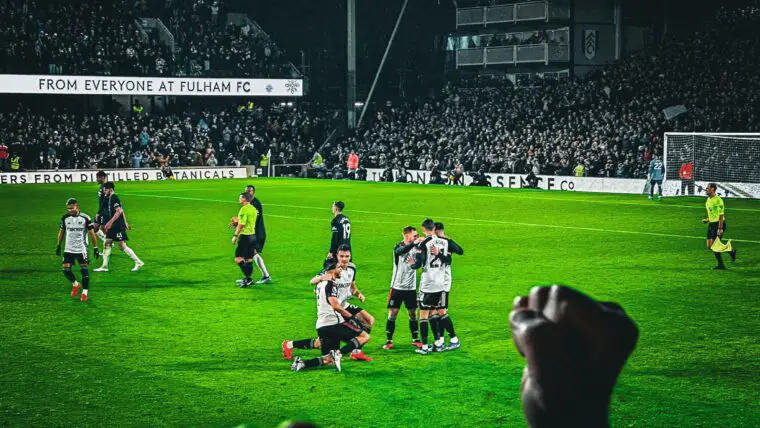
692, 160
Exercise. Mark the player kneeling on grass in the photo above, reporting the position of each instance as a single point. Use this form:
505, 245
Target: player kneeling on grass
345, 283
75, 226
334, 325
116, 229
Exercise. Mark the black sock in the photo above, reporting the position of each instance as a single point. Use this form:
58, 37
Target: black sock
719, 258
69, 275
243, 268
248, 269
350, 346
436, 327
303, 344
448, 325
314, 362
85, 277
390, 327
424, 331
414, 327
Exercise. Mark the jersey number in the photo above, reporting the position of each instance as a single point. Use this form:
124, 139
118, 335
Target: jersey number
347, 231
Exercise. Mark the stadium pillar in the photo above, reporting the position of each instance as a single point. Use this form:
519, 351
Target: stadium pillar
382, 61
618, 19
351, 63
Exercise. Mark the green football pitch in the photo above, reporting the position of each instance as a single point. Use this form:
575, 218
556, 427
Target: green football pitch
179, 344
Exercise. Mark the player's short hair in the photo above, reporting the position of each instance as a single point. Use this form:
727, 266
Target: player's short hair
72, 201
252, 187
109, 185
247, 196
409, 229
339, 205
100, 173
438, 226
344, 247
428, 224
712, 186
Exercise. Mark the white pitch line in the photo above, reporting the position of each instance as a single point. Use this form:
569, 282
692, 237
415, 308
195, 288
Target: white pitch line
591, 201
473, 221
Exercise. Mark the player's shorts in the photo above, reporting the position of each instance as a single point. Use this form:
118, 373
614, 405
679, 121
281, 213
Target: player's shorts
657, 182
430, 300
97, 219
396, 297
445, 299
117, 234
353, 309
331, 336
76, 258
260, 241
712, 230
246, 246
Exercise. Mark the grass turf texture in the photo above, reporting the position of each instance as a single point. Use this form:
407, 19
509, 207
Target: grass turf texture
178, 344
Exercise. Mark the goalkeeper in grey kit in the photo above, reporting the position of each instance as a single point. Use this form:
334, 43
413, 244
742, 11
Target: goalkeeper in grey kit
656, 175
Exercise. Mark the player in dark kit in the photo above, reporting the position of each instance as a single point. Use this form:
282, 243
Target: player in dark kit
116, 229
75, 226
341, 232
261, 236
100, 177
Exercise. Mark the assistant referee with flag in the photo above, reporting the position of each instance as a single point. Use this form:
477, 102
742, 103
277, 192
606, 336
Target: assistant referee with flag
717, 226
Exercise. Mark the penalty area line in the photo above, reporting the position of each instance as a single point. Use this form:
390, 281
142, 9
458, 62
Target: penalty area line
471, 221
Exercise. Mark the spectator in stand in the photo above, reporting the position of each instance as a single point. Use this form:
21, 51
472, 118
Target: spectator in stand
353, 163
3, 157
211, 161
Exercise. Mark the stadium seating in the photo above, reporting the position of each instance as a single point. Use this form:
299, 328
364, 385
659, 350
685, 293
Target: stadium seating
610, 123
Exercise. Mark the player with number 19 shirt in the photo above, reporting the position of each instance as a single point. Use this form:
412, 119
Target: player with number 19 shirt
341, 233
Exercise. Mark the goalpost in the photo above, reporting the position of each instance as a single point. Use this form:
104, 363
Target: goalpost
694, 159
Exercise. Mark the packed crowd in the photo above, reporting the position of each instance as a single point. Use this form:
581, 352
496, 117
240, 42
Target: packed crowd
225, 137
609, 123
210, 45
78, 37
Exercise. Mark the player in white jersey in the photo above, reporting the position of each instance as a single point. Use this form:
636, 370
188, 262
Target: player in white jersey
403, 287
75, 226
432, 284
334, 325
345, 284
446, 324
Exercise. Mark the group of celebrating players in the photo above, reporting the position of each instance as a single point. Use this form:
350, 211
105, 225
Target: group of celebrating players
339, 322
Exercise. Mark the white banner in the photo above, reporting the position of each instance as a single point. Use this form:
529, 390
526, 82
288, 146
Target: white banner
698, 188
114, 85
546, 182
88, 176
674, 111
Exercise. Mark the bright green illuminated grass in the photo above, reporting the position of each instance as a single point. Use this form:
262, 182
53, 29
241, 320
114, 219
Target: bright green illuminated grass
178, 344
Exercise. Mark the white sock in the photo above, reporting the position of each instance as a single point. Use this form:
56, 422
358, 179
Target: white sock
439, 342
289, 345
356, 351
85, 292
454, 340
132, 255
260, 264
100, 234
106, 256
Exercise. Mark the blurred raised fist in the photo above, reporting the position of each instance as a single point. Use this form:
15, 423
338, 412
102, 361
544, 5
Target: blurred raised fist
574, 349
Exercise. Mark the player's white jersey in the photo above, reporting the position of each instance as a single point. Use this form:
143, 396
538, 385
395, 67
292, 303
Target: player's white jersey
447, 278
343, 283
404, 275
326, 315
434, 269
76, 227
